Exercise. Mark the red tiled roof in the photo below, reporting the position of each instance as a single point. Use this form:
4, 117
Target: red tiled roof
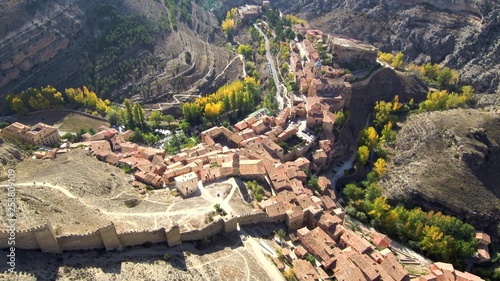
304, 271
394, 268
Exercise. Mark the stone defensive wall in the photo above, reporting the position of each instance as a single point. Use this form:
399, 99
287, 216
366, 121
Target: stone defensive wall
205, 232
45, 239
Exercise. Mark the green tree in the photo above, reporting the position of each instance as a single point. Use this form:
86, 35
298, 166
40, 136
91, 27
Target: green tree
113, 116
340, 118
363, 154
447, 77
169, 119
155, 119
18, 106
388, 134
353, 193
187, 56
129, 115
139, 119
281, 233
246, 50
313, 183
184, 126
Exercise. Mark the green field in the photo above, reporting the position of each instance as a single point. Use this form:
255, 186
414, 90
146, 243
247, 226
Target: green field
63, 120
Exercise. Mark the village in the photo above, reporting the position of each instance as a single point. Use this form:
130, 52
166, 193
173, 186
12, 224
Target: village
280, 153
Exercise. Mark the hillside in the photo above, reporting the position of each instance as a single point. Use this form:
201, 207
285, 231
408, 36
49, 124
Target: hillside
134, 49
449, 161
463, 34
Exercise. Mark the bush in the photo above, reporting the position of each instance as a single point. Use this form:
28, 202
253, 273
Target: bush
4, 124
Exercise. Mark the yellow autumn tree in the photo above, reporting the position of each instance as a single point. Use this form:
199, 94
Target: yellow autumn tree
380, 167
379, 207
396, 105
386, 57
295, 20
212, 110
398, 61
370, 138
231, 14
227, 25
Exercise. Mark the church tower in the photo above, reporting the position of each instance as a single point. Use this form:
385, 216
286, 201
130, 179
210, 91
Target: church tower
236, 164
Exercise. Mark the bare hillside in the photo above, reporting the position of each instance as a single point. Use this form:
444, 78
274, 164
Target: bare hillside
450, 161
133, 49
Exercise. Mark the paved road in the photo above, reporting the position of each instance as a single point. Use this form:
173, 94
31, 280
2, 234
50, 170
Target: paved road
348, 164
270, 60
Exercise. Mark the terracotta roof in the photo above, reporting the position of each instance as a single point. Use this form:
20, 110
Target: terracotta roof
483, 237
304, 201
346, 270
276, 210
328, 202
367, 265
483, 253
240, 126
113, 158
381, 240
101, 148
466, 276
300, 251
304, 271
328, 222
352, 239
392, 266
320, 244
149, 178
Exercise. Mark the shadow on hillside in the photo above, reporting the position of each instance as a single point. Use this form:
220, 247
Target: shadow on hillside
51, 266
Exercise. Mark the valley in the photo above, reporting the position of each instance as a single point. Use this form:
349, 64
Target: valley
216, 140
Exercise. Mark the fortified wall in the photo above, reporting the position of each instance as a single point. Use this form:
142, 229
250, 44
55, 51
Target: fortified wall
44, 238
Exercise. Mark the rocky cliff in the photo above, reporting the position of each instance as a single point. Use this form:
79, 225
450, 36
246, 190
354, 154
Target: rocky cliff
119, 48
449, 161
462, 34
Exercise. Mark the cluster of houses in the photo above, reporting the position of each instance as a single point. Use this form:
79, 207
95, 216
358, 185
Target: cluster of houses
275, 151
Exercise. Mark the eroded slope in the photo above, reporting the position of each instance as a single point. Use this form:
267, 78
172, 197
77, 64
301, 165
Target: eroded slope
450, 161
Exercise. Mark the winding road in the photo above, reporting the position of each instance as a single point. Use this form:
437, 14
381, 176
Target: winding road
177, 96
274, 73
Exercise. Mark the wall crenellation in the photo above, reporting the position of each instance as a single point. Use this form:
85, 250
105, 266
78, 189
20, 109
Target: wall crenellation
43, 237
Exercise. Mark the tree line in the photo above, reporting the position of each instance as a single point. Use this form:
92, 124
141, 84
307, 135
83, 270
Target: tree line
43, 98
438, 236
234, 101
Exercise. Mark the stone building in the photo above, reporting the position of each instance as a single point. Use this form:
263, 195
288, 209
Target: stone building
40, 134
187, 184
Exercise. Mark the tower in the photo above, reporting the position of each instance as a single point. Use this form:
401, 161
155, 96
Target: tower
317, 69
236, 164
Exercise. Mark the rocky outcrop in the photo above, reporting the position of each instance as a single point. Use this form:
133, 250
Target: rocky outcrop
9, 156
462, 34
449, 161
384, 85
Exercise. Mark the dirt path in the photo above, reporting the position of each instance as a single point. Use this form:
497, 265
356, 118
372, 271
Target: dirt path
166, 213
269, 267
